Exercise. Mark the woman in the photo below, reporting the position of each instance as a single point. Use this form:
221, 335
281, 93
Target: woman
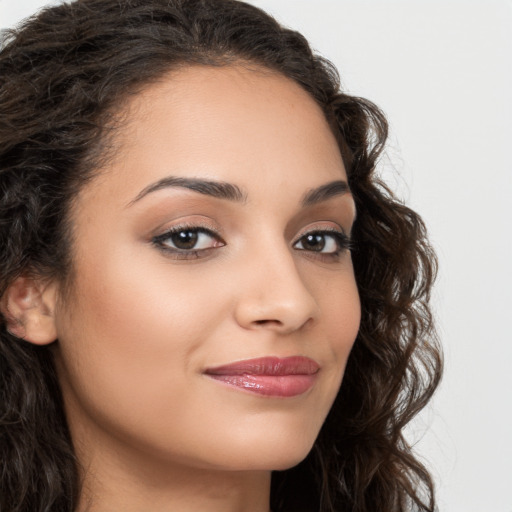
196, 254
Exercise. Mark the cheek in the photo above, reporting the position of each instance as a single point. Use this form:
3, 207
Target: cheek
337, 326
130, 344
129, 305
340, 310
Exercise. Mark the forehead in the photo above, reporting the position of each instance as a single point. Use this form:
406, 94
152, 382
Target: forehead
249, 126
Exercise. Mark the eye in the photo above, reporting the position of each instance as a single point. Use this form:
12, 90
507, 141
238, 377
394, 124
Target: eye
324, 242
188, 241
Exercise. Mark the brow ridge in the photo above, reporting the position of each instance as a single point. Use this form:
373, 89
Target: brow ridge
325, 192
218, 189
231, 192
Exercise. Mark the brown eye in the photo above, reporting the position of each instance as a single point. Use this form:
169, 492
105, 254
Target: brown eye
313, 242
326, 242
182, 239
185, 239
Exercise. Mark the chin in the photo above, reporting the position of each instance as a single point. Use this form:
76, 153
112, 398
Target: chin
290, 462
259, 440
269, 454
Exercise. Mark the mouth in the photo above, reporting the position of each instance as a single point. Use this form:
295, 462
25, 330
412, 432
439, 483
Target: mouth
268, 376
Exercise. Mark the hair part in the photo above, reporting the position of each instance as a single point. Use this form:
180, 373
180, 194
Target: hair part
65, 77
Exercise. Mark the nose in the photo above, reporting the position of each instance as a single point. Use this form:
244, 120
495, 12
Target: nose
272, 294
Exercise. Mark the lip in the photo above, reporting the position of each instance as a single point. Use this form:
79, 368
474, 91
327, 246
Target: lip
268, 376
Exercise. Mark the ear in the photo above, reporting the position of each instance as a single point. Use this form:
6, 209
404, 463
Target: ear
28, 306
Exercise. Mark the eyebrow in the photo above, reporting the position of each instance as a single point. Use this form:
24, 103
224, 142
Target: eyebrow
218, 189
224, 190
325, 192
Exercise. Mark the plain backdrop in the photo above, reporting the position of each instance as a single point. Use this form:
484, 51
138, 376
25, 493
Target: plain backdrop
441, 71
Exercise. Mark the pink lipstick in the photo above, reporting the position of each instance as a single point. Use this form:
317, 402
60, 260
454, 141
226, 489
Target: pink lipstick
270, 376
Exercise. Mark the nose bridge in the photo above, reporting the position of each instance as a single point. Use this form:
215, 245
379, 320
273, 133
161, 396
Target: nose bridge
272, 292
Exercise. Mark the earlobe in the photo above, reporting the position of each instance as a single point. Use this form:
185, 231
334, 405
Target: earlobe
28, 306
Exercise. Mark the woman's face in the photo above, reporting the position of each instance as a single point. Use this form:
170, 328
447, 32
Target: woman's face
217, 236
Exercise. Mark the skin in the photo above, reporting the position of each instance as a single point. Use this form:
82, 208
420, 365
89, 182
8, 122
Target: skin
141, 325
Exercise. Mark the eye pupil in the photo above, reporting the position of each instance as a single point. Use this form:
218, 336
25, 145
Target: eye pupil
314, 242
185, 239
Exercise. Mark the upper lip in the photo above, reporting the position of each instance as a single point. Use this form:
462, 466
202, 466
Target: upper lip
272, 366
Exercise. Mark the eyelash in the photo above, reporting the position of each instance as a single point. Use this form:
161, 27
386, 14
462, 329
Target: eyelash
341, 240
186, 254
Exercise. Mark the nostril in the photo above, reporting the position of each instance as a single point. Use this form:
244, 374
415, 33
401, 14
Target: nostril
263, 322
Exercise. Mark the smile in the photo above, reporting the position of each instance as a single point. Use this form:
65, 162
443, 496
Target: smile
269, 376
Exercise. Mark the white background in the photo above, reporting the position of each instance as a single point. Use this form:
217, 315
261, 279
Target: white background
441, 70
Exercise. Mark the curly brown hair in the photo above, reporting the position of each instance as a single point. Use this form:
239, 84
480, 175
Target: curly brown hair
63, 75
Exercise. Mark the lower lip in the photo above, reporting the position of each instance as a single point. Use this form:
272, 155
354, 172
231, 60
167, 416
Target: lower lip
269, 385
